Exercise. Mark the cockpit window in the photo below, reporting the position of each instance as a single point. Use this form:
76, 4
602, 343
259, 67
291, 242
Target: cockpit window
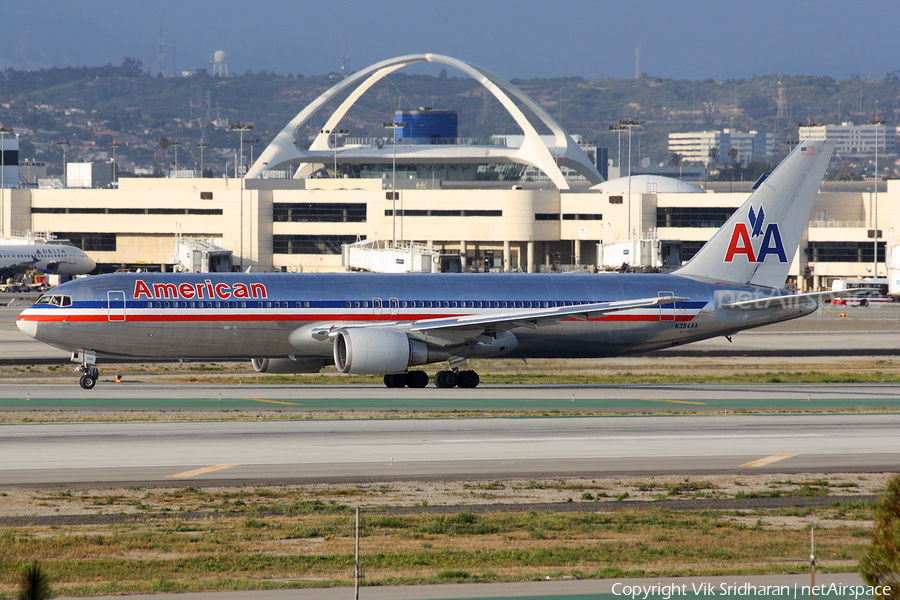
55, 300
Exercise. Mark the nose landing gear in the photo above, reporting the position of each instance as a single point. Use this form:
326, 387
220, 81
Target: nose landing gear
89, 378
87, 368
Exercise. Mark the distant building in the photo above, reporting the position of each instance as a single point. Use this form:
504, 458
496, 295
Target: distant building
695, 146
853, 139
89, 175
751, 145
30, 171
9, 160
426, 126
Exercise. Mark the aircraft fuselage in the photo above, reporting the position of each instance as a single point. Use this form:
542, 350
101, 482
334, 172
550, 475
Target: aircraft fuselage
234, 316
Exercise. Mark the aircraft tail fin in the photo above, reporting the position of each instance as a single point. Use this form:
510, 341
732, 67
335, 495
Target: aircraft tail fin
757, 244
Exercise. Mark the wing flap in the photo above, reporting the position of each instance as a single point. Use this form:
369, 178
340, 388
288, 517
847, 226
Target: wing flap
530, 317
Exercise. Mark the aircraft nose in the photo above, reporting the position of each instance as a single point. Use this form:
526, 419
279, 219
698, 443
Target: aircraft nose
27, 325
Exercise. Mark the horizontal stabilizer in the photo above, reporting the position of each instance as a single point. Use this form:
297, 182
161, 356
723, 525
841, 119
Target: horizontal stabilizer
793, 299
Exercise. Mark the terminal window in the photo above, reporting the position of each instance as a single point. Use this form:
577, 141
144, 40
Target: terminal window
91, 242
319, 212
689, 216
414, 212
310, 244
582, 217
858, 252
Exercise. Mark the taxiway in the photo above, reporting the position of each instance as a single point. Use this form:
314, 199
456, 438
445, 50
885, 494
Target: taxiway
393, 449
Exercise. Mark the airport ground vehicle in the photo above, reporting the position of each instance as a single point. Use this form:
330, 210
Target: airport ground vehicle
878, 293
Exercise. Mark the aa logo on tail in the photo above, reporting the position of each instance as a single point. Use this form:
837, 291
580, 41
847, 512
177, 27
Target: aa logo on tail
742, 239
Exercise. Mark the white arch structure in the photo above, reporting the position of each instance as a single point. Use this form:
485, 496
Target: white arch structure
283, 151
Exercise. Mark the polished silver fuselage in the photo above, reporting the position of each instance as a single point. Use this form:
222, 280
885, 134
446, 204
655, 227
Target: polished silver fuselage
237, 316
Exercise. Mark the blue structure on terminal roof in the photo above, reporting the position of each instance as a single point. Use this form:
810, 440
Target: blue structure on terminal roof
427, 126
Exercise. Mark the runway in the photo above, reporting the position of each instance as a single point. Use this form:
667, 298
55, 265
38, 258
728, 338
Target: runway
394, 449
138, 395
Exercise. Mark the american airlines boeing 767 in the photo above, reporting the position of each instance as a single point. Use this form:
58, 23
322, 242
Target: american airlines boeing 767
386, 324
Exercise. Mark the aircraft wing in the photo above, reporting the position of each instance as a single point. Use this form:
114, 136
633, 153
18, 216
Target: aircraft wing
794, 299
506, 319
20, 267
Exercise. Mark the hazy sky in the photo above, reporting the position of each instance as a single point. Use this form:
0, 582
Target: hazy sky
684, 39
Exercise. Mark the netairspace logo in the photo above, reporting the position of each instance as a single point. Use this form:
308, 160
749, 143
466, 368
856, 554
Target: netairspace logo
797, 591
741, 243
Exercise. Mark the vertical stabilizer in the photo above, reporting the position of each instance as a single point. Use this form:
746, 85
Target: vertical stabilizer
757, 244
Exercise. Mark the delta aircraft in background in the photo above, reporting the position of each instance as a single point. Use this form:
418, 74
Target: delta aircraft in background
386, 324
61, 259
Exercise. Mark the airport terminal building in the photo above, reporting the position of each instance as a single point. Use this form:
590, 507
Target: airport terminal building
487, 213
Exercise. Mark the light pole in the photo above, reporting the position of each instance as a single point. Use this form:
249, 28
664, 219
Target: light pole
3, 131
114, 145
876, 122
241, 128
175, 145
394, 125
618, 129
252, 141
335, 133
64, 145
621, 125
201, 145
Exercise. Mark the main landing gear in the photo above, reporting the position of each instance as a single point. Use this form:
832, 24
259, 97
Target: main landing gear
442, 379
413, 379
89, 377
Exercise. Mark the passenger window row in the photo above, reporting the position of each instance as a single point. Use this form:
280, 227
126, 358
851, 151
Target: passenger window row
359, 304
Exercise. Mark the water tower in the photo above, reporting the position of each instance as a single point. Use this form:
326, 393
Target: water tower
220, 63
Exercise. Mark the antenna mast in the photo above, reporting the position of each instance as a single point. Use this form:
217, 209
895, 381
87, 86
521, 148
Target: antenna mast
345, 59
160, 56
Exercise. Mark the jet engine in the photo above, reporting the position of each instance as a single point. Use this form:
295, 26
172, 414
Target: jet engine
377, 351
281, 366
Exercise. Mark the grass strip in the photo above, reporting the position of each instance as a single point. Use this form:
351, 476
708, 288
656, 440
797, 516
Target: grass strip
253, 549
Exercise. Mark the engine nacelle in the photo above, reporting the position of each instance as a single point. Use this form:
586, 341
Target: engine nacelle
281, 366
377, 351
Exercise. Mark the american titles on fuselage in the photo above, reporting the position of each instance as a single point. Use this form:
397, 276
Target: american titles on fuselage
200, 290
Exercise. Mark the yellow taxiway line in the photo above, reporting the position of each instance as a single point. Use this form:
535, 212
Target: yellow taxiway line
767, 460
674, 401
187, 474
273, 401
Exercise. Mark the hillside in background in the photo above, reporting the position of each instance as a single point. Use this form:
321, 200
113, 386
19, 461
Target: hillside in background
91, 106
